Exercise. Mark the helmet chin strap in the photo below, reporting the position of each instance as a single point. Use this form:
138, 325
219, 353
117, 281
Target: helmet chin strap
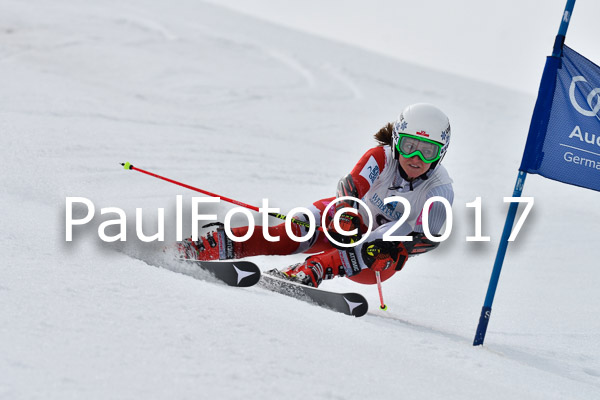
410, 180
423, 176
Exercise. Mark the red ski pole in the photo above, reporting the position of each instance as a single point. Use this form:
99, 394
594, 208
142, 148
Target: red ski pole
378, 276
127, 165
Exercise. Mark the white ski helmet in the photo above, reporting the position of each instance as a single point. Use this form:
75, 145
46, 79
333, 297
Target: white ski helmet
426, 123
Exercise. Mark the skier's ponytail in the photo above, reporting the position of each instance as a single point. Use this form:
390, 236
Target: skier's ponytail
384, 136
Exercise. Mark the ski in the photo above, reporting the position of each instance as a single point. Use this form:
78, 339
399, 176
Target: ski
345, 303
233, 273
245, 273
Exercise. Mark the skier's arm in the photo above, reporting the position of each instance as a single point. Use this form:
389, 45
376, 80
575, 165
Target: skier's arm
358, 182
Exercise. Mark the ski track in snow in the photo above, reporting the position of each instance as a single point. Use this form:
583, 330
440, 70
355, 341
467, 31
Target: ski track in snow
377, 317
308, 74
294, 65
148, 25
544, 364
345, 80
119, 119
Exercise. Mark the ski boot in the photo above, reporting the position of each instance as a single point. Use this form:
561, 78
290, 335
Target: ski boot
213, 246
304, 274
314, 269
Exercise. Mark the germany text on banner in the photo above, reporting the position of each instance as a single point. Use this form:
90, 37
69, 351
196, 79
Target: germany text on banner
564, 136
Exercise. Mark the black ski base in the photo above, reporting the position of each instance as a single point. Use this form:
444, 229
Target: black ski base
233, 273
245, 274
346, 303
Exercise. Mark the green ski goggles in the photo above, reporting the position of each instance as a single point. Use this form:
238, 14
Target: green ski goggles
427, 150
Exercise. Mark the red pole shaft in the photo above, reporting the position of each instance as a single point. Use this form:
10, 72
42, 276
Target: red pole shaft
232, 201
378, 276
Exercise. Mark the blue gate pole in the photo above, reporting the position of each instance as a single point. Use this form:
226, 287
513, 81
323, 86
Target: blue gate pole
489, 297
486, 310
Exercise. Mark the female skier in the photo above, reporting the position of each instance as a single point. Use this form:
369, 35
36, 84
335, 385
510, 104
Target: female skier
406, 163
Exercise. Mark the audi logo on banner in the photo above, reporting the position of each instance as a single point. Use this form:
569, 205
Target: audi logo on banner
594, 109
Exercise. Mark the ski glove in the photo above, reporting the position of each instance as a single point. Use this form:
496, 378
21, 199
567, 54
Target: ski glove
349, 221
380, 255
420, 244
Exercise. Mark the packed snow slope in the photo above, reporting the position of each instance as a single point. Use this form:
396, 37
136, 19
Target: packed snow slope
249, 110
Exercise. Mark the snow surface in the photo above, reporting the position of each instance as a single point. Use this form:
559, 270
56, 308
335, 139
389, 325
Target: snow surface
250, 110
501, 42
